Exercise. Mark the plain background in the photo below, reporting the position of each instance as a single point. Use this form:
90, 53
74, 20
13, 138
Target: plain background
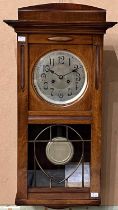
8, 101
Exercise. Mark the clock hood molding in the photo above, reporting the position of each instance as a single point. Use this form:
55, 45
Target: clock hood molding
33, 19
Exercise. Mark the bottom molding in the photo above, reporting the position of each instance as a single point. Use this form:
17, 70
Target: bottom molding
45, 208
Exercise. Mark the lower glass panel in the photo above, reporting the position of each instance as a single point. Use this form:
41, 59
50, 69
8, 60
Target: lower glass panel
59, 155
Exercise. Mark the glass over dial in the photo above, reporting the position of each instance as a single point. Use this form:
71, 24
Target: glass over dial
60, 77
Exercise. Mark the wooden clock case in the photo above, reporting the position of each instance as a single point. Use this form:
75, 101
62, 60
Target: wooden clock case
79, 29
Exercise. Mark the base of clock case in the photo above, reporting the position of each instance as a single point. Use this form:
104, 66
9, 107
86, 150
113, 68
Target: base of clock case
58, 204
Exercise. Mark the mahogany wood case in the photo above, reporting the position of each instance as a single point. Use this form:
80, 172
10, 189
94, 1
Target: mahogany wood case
41, 29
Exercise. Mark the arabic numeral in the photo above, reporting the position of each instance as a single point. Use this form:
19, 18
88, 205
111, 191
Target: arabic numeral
45, 85
43, 76
52, 91
76, 83
76, 67
69, 91
61, 59
60, 94
46, 68
78, 77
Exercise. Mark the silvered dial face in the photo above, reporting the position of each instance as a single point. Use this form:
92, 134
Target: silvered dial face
60, 77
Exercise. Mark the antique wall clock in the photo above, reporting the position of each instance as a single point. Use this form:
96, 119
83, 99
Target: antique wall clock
60, 49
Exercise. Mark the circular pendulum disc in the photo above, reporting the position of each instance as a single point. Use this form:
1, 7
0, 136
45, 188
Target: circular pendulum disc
59, 151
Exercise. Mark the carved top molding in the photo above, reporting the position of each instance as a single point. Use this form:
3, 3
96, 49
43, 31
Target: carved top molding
61, 17
62, 12
76, 28
60, 6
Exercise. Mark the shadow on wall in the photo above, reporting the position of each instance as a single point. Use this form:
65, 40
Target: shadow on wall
110, 129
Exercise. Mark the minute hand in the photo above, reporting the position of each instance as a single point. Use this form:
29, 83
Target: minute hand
74, 70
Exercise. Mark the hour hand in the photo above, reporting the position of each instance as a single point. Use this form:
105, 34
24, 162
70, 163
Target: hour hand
47, 69
54, 72
51, 71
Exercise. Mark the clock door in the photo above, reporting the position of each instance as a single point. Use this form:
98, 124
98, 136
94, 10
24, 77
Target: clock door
60, 75
59, 156
60, 121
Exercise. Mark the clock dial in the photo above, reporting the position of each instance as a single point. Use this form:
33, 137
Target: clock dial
60, 77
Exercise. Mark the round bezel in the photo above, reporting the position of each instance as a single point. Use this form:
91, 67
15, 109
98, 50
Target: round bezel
53, 100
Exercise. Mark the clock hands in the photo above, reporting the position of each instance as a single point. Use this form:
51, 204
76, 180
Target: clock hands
74, 70
54, 72
62, 76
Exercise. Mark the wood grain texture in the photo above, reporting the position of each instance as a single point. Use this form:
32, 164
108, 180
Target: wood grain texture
60, 38
59, 190
23, 26
22, 121
77, 12
58, 203
75, 39
22, 66
85, 26
53, 117
96, 126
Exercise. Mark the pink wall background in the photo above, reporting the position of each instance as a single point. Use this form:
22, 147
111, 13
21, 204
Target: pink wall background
8, 102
